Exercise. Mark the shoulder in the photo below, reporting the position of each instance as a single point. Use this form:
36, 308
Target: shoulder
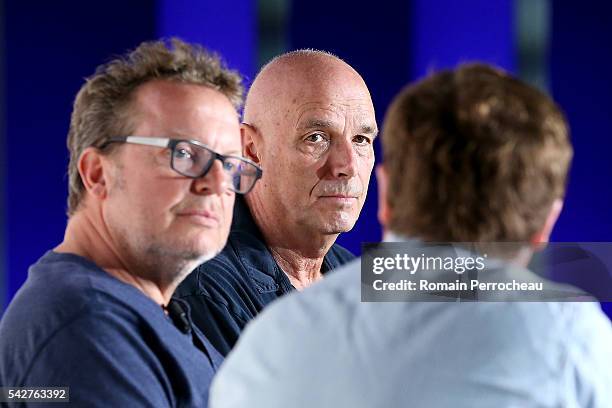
216, 277
62, 294
61, 287
52, 335
326, 304
111, 349
243, 269
588, 335
289, 342
226, 286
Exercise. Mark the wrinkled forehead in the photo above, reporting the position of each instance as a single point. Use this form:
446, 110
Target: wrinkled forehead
328, 101
358, 115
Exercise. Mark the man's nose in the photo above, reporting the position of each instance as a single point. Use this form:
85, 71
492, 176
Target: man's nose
342, 159
215, 181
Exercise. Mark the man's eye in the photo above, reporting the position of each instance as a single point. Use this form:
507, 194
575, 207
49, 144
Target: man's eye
362, 140
316, 138
228, 166
183, 154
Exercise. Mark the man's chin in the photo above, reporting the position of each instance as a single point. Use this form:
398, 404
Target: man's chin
339, 230
327, 222
206, 257
204, 245
207, 253
338, 225
197, 253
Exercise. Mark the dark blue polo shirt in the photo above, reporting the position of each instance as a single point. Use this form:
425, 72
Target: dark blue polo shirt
73, 325
225, 293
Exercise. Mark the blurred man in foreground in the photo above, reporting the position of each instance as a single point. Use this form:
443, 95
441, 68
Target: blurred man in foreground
470, 155
309, 123
155, 162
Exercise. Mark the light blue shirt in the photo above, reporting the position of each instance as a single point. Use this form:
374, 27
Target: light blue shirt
325, 348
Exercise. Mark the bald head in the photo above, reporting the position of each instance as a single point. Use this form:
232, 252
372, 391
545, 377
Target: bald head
309, 123
296, 75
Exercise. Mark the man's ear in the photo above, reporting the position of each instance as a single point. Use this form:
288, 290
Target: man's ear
93, 172
384, 212
543, 235
251, 139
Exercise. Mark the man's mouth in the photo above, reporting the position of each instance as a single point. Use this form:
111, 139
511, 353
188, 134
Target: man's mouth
339, 199
203, 217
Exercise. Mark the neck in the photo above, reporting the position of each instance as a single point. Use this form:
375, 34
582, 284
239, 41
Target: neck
522, 257
299, 252
302, 271
86, 236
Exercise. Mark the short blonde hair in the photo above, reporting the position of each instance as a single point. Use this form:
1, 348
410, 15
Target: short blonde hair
101, 108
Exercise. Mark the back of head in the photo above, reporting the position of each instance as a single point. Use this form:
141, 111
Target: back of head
103, 106
473, 154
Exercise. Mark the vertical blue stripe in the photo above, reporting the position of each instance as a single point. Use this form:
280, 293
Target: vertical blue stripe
532, 26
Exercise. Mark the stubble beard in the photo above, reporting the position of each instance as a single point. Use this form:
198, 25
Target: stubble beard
158, 261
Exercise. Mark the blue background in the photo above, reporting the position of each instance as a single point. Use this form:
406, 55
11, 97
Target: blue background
47, 48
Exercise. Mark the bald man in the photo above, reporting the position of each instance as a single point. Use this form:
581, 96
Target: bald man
309, 124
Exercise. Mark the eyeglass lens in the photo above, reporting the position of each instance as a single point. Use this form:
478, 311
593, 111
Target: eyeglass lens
194, 161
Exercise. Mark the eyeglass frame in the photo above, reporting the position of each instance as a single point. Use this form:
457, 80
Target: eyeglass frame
170, 143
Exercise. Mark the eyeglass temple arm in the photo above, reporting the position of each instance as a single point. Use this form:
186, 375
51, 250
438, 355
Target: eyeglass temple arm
148, 141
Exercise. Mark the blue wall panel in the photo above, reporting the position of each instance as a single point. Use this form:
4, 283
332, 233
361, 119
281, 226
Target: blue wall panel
581, 63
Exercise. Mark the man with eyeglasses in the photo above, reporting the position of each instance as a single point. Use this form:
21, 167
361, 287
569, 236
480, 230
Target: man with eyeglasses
194, 159
309, 123
155, 162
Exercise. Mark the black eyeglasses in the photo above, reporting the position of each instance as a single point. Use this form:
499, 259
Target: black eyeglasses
193, 159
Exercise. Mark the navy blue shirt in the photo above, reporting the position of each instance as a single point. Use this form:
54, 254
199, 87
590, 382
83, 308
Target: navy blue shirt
73, 325
225, 293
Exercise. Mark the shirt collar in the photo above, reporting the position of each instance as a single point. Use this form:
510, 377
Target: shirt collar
255, 255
